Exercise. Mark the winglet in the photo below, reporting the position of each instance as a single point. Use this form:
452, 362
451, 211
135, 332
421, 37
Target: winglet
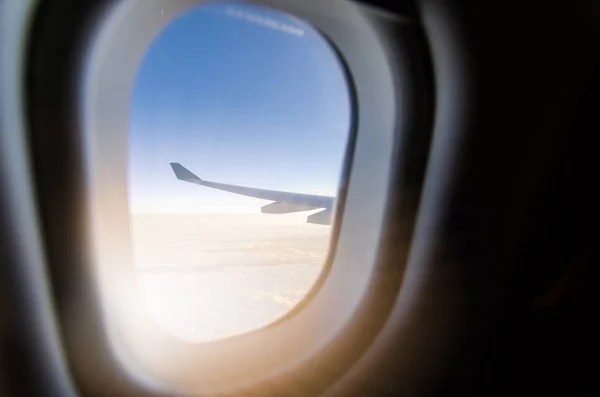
184, 174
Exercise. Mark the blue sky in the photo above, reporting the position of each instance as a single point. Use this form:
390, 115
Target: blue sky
238, 94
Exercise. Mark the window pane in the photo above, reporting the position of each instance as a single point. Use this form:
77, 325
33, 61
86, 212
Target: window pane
235, 95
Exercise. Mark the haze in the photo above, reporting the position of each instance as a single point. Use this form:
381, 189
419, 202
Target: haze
209, 276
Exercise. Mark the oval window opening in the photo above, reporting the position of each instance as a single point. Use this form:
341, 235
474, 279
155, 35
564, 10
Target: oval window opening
240, 117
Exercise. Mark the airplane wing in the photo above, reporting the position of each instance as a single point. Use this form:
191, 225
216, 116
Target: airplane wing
284, 202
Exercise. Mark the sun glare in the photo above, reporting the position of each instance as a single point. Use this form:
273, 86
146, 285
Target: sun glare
209, 276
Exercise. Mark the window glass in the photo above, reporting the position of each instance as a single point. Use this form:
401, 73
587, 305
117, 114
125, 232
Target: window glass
239, 122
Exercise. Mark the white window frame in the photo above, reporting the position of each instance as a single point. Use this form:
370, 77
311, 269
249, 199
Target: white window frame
256, 357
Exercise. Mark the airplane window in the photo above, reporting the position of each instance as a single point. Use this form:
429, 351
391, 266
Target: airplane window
239, 122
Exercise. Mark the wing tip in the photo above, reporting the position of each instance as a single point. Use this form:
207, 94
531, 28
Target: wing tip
183, 173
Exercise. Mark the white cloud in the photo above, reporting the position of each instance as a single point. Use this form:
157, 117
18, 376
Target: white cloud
266, 22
